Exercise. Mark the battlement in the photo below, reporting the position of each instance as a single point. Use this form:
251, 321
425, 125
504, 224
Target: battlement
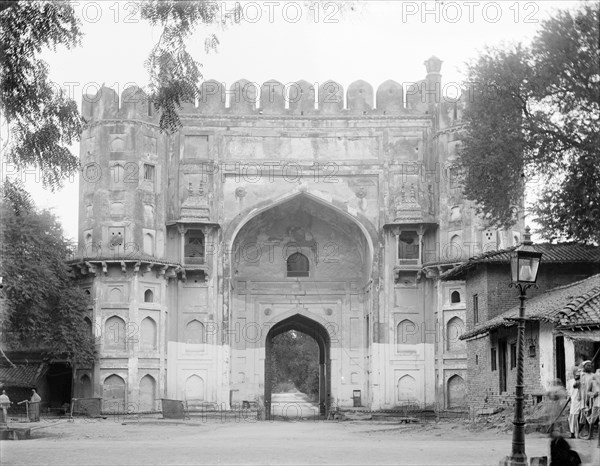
133, 104
300, 98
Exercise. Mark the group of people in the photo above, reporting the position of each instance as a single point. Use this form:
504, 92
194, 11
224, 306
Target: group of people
33, 406
583, 390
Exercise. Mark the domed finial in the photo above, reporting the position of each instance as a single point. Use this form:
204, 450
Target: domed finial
527, 236
433, 64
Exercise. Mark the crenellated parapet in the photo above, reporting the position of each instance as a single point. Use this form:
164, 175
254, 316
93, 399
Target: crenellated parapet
303, 98
106, 104
274, 98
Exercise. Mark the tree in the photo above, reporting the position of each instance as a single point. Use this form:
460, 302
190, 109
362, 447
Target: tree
174, 74
43, 306
533, 114
295, 359
43, 120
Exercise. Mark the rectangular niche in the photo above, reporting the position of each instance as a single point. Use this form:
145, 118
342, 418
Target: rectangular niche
116, 293
117, 209
149, 145
196, 147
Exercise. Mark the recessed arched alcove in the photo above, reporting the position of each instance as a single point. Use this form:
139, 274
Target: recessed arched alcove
304, 255
335, 243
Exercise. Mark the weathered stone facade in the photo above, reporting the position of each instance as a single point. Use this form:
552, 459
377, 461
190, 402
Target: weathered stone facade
189, 241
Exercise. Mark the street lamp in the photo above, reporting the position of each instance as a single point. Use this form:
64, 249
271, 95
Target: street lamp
524, 266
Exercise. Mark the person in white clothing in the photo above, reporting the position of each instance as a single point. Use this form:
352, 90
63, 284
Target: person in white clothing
575, 408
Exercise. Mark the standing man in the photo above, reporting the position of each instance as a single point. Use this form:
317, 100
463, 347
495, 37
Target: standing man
4, 405
34, 406
575, 409
589, 395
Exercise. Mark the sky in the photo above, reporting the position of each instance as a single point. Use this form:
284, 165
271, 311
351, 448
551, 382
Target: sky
288, 41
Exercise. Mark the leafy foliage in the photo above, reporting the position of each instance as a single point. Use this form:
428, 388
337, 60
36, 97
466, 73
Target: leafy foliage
42, 119
295, 359
174, 75
534, 115
43, 305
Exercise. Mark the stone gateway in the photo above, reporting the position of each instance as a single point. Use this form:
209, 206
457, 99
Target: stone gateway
274, 208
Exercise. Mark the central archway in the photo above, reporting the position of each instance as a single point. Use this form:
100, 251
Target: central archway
317, 332
307, 257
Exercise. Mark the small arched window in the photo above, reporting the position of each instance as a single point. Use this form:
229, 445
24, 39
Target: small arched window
455, 297
407, 333
194, 333
114, 333
88, 327
456, 391
454, 250
407, 388
454, 329
149, 244
297, 265
85, 386
148, 334
148, 296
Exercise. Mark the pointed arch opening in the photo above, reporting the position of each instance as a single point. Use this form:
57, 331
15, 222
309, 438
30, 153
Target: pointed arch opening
456, 392
84, 389
114, 394
147, 396
455, 297
148, 296
194, 333
291, 327
290, 224
194, 389
407, 333
114, 334
148, 334
407, 389
454, 329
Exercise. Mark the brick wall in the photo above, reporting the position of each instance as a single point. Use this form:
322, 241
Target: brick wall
490, 283
483, 383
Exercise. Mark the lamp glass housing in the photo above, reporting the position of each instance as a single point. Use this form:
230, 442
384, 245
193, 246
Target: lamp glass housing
524, 266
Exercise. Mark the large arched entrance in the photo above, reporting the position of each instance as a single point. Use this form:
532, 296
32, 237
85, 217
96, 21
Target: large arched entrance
317, 332
300, 264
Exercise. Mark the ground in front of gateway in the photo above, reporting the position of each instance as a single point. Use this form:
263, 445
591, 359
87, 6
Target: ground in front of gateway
225, 440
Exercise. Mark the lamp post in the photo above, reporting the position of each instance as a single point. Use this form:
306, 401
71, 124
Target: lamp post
524, 265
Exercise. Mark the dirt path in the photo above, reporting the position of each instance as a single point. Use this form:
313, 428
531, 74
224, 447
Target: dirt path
214, 441
293, 406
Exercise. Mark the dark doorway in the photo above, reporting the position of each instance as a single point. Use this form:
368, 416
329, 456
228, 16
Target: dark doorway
314, 330
59, 378
561, 369
502, 365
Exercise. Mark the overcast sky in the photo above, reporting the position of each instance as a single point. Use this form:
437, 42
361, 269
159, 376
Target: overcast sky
373, 40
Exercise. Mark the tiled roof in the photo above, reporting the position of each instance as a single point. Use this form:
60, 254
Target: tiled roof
22, 375
583, 310
574, 304
562, 253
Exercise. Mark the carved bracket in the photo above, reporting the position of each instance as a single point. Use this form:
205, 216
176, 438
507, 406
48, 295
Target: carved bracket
91, 267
